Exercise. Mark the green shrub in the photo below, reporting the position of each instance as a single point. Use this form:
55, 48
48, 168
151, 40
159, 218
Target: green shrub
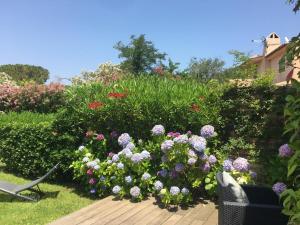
30, 146
135, 104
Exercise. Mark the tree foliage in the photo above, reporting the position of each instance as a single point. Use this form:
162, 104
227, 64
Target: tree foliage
23, 72
296, 4
139, 55
205, 69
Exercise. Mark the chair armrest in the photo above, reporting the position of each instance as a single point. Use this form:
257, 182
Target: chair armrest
252, 214
261, 195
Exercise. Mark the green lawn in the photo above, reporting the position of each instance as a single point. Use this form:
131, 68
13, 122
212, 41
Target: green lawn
58, 201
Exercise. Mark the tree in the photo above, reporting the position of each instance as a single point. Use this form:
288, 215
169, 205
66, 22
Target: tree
23, 72
242, 67
205, 69
139, 55
172, 66
296, 4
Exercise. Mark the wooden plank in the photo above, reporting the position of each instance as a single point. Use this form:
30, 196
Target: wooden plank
139, 216
212, 219
161, 218
172, 220
96, 218
69, 219
128, 214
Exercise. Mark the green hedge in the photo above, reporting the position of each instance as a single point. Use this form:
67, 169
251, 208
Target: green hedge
30, 146
179, 105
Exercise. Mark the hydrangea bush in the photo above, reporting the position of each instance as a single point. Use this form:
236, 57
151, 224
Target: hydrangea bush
174, 167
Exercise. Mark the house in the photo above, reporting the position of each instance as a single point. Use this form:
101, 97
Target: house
273, 58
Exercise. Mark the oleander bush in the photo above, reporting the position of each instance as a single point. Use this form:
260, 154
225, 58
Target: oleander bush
172, 166
30, 146
135, 104
31, 97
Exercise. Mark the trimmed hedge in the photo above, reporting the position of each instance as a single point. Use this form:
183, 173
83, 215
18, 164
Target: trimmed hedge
30, 146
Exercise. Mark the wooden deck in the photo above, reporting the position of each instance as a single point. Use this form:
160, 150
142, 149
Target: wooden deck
113, 212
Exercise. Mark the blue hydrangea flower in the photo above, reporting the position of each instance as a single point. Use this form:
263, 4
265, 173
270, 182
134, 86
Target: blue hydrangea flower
85, 159
158, 185
162, 173
179, 167
124, 140
253, 174
130, 146
109, 161
182, 139
116, 189
174, 190
191, 161
207, 131
93, 191
279, 187
227, 165
128, 179
198, 143
135, 191
285, 151
158, 130
120, 165
146, 176
91, 164
241, 164
167, 145
136, 158
96, 167
127, 152
145, 154
81, 148
115, 158
203, 156
102, 178
212, 159
185, 191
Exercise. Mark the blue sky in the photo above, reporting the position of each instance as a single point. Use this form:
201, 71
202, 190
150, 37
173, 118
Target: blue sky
68, 36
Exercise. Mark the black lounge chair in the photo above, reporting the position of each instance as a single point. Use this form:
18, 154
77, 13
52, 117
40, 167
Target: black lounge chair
15, 189
262, 207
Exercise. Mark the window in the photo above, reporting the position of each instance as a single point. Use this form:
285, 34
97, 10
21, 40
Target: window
282, 64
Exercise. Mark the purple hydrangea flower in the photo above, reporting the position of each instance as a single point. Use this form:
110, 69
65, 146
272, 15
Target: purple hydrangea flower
167, 145
207, 131
130, 146
136, 158
120, 165
191, 161
115, 158
135, 191
185, 191
124, 140
192, 153
241, 164
206, 167
173, 134
173, 174
212, 159
162, 173
116, 189
203, 156
158, 130
285, 151
96, 167
179, 167
146, 176
100, 137
174, 190
253, 174
128, 179
93, 191
279, 187
127, 152
145, 154
102, 178
198, 143
114, 134
227, 165
91, 164
182, 139
109, 161
158, 185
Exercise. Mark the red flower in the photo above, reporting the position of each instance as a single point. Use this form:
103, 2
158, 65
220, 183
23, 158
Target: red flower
95, 105
116, 95
195, 108
159, 70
